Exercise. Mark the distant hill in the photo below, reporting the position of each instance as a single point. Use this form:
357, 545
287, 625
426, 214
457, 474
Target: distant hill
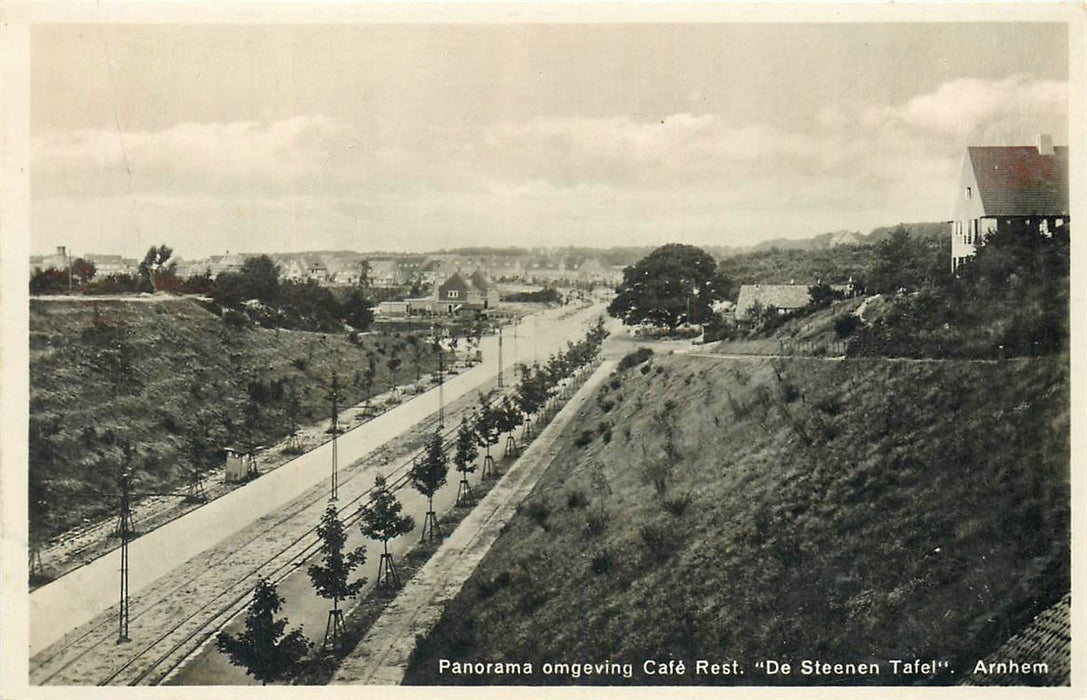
925, 229
834, 239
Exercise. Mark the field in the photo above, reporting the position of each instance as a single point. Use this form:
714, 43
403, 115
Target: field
849, 511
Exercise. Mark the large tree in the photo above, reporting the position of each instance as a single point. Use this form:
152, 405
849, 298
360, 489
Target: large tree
673, 284
264, 648
905, 262
157, 271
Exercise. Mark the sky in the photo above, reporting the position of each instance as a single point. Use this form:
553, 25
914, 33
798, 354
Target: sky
274, 138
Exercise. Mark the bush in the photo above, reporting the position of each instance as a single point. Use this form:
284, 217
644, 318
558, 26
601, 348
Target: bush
596, 521
235, 319
846, 324
657, 541
538, 511
576, 499
491, 586
635, 358
656, 472
601, 563
677, 505
584, 438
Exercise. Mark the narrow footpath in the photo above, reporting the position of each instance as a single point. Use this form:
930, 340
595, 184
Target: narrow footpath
382, 656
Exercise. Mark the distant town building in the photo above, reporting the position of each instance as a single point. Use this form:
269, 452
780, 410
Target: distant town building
1009, 188
106, 265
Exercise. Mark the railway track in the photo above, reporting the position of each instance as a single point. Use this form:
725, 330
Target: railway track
157, 659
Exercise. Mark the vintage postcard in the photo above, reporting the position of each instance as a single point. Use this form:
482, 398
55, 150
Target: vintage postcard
719, 350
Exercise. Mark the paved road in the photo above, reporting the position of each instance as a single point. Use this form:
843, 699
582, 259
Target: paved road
78, 597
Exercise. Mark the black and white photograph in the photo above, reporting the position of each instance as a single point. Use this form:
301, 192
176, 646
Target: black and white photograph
541, 347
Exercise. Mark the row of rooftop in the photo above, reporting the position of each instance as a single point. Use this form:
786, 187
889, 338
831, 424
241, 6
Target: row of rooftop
346, 268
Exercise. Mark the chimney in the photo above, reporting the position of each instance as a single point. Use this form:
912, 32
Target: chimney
1045, 145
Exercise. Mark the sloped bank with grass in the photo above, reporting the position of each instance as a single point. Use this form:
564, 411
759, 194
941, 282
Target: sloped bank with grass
178, 384
848, 512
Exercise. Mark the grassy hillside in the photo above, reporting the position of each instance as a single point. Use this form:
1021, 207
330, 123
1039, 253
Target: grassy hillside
173, 380
846, 511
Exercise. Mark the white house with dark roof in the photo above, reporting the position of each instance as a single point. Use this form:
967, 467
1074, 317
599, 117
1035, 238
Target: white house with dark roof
1013, 188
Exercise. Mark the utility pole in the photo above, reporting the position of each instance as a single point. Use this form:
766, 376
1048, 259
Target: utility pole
334, 395
441, 378
126, 517
501, 383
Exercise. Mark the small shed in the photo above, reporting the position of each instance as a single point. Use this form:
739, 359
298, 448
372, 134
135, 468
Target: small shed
240, 463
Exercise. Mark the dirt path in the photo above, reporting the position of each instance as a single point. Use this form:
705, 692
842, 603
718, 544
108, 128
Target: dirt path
382, 656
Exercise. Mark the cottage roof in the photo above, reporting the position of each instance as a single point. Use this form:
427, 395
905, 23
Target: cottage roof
781, 296
1019, 181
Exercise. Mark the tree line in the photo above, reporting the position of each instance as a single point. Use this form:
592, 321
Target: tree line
255, 293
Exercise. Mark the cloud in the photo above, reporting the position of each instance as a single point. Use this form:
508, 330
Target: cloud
973, 106
678, 149
554, 179
187, 157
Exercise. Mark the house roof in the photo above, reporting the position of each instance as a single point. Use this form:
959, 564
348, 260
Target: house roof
1047, 639
455, 281
781, 296
480, 281
1018, 181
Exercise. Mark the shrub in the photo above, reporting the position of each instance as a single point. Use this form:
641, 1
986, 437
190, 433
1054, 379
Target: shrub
635, 358
584, 438
846, 324
576, 499
657, 541
656, 472
789, 392
491, 586
601, 563
677, 505
596, 521
235, 318
538, 511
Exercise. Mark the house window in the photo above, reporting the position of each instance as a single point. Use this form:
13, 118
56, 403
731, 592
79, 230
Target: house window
452, 293
969, 192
